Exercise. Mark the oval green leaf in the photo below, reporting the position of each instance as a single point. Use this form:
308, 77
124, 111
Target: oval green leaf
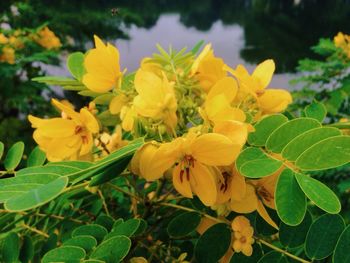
316, 110
273, 256
70, 254
290, 199
2, 147
264, 128
36, 158
280, 137
9, 248
323, 236
75, 65
254, 163
14, 156
294, 236
304, 141
85, 242
328, 153
112, 250
127, 228
94, 230
183, 224
320, 194
213, 244
341, 253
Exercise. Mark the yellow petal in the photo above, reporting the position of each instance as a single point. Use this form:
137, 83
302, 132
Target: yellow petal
200, 57
248, 204
247, 250
264, 72
263, 213
203, 184
227, 86
87, 144
98, 42
89, 120
213, 149
238, 186
66, 109
181, 184
236, 131
58, 128
146, 158
149, 86
117, 103
274, 100
63, 148
98, 83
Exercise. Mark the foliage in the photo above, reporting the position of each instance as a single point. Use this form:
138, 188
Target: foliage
186, 159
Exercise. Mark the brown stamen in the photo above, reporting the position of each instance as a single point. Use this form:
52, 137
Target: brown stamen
78, 129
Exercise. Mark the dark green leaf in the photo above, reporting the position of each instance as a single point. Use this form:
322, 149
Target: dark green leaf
341, 253
69, 254
241, 258
27, 250
213, 244
273, 257
9, 248
85, 242
94, 230
183, 224
112, 250
127, 228
323, 236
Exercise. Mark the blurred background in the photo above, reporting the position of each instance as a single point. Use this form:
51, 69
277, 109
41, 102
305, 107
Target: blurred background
241, 31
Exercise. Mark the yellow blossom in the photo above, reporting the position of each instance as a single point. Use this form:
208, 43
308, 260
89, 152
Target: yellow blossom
47, 39
122, 105
7, 55
243, 235
109, 143
195, 157
207, 68
217, 106
343, 41
65, 138
269, 100
257, 194
102, 67
3, 39
156, 98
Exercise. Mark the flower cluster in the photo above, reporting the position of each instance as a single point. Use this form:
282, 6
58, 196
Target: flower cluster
195, 113
12, 41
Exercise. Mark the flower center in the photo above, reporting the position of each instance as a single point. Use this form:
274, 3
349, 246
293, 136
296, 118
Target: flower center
243, 239
265, 194
224, 184
187, 162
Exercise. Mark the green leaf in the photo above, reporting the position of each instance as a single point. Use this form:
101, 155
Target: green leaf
69, 254
254, 163
36, 191
280, 137
75, 65
127, 228
111, 172
94, 230
320, 194
304, 141
323, 236
294, 236
36, 158
316, 110
105, 221
104, 99
85, 242
14, 156
197, 46
213, 244
328, 153
9, 249
183, 224
2, 147
241, 258
60, 81
27, 250
89, 93
341, 252
264, 128
290, 199
273, 256
112, 250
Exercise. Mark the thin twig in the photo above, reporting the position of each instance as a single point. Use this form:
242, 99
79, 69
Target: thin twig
36, 230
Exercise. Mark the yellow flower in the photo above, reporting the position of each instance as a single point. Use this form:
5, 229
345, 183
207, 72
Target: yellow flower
47, 39
65, 138
217, 106
156, 98
269, 100
102, 67
7, 55
16, 42
3, 39
109, 143
122, 105
343, 41
243, 235
257, 194
195, 157
207, 68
